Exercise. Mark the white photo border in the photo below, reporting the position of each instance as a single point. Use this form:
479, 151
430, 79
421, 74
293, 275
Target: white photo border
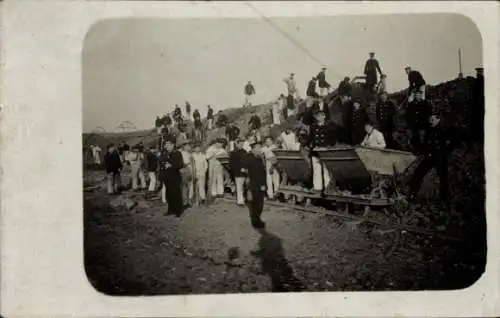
42, 270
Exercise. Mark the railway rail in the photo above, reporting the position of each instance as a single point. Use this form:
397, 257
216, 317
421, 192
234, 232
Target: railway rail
387, 224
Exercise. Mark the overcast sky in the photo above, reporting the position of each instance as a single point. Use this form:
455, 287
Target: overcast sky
135, 69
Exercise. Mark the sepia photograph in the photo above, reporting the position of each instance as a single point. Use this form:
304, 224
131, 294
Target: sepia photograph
249, 159
307, 154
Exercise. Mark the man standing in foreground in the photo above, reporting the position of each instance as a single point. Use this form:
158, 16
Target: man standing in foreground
439, 141
256, 169
170, 164
249, 92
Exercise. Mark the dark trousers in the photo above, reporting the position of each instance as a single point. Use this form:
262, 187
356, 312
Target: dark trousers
174, 197
387, 131
256, 205
438, 161
416, 140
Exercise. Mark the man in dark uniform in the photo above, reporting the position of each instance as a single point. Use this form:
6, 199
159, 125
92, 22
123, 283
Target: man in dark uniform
371, 69
158, 124
198, 130
167, 120
196, 115
477, 107
254, 122
232, 133
170, 163
417, 120
386, 111
439, 141
256, 170
324, 86
354, 122
188, 110
177, 114
345, 87
311, 92
416, 84
222, 120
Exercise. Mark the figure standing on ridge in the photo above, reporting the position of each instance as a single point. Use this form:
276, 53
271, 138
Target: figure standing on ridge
311, 92
416, 84
210, 118
291, 85
188, 110
324, 86
371, 68
249, 92
477, 101
276, 111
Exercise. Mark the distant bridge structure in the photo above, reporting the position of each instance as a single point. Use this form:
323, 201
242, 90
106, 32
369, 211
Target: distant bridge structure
98, 130
126, 126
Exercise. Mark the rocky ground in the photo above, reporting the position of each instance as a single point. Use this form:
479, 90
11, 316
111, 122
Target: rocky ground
131, 248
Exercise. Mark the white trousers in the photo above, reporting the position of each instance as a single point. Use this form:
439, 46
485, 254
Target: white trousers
97, 158
164, 193
320, 181
152, 181
216, 177
210, 123
276, 116
248, 100
113, 182
137, 177
200, 186
240, 190
272, 182
323, 91
421, 91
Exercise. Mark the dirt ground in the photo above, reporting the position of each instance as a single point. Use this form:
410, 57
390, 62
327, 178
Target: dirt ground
213, 249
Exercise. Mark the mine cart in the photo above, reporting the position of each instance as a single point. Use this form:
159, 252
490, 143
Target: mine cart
359, 175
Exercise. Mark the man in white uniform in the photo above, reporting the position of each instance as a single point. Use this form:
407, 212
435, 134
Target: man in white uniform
215, 169
272, 176
96, 153
373, 138
200, 169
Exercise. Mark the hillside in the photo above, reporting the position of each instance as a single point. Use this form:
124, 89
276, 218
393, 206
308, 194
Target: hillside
449, 97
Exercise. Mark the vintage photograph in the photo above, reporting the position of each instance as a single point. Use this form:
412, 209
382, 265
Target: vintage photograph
298, 154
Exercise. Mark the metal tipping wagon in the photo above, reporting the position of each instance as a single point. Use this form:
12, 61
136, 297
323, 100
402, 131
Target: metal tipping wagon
359, 175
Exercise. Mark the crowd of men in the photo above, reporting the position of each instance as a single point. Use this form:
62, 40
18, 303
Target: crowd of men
189, 174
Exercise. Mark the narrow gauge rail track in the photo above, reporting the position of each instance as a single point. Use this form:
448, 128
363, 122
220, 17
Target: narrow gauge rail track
388, 224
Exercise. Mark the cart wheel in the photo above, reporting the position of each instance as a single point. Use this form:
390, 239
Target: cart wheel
299, 199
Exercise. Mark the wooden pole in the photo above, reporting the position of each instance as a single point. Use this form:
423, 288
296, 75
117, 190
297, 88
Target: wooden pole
460, 74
